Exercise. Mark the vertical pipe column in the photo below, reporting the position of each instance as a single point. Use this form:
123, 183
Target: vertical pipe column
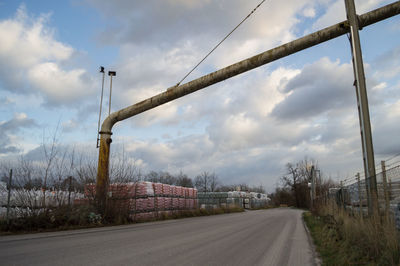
103, 171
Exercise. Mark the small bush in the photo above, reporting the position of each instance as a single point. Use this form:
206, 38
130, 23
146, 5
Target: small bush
58, 218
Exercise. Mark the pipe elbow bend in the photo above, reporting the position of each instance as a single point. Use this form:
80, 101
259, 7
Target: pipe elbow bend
108, 123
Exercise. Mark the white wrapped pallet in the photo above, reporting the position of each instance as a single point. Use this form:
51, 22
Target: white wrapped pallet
144, 189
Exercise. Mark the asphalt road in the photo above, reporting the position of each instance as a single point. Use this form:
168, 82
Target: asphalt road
264, 237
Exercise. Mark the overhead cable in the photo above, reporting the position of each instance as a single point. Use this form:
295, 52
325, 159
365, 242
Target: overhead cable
221, 42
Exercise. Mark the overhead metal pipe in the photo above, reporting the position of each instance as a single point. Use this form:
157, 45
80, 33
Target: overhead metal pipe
176, 92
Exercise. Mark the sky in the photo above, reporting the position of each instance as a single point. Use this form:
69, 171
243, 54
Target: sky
245, 129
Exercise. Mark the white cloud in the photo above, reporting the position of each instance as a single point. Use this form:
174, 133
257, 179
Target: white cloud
309, 12
59, 86
30, 59
28, 41
336, 11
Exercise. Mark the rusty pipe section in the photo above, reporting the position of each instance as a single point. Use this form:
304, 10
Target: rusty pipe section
248, 64
176, 92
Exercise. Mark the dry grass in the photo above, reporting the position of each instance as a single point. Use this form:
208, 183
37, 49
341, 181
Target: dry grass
344, 238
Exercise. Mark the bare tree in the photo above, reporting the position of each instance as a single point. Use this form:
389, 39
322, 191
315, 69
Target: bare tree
123, 168
183, 180
50, 153
297, 177
291, 179
206, 182
214, 182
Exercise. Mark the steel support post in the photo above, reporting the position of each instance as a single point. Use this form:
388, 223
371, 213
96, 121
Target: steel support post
362, 99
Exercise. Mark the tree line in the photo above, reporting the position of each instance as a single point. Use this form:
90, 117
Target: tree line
294, 189
67, 169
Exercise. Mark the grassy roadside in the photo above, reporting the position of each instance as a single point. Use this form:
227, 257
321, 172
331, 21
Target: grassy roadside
342, 239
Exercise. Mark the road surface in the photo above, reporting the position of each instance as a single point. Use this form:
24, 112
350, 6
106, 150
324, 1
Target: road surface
264, 237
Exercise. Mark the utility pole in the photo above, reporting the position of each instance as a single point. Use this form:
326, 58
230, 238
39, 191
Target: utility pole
101, 104
313, 174
362, 100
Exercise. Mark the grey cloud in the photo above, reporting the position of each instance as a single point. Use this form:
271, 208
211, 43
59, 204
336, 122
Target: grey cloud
320, 87
16, 123
388, 64
9, 149
172, 22
386, 129
13, 126
168, 21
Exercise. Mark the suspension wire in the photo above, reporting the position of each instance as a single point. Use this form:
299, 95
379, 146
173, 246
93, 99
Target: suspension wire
391, 158
389, 165
221, 42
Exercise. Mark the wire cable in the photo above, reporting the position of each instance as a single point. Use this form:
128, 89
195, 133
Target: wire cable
221, 42
391, 158
389, 165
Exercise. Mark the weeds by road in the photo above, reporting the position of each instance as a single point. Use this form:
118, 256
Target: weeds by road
345, 239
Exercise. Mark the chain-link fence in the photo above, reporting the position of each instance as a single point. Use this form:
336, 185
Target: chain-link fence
356, 191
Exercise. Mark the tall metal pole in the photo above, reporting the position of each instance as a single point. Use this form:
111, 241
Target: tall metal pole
101, 105
362, 99
111, 74
313, 172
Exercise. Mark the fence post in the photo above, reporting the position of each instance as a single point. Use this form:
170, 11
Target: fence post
341, 194
8, 197
390, 189
359, 195
385, 191
69, 191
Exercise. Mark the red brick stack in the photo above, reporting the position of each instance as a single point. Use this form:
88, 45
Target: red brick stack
146, 200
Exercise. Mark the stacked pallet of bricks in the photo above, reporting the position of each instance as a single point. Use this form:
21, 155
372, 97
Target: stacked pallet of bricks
147, 200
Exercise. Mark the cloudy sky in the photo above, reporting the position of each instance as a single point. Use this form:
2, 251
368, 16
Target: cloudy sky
244, 129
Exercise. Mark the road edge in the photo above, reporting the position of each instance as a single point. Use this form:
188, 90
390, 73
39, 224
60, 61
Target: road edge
315, 254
